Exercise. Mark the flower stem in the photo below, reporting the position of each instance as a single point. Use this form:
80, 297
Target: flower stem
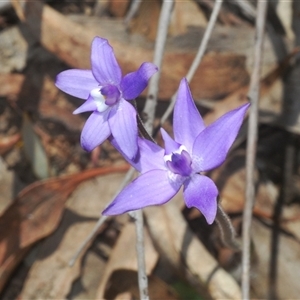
149, 112
142, 275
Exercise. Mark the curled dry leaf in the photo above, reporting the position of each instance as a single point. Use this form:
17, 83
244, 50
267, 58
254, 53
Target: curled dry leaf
35, 214
177, 244
82, 212
126, 259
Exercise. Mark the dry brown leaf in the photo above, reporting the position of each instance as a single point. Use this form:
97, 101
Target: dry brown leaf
230, 179
146, 21
118, 8
186, 254
83, 210
71, 42
9, 185
7, 142
36, 213
92, 268
186, 14
126, 281
11, 85
123, 256
288, 264
239, 97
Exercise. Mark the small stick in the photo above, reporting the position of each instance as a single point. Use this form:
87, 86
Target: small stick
253, 94
142, 275
162, 31
134, 7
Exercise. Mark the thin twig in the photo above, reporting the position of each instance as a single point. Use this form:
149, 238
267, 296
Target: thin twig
253, 94
162, 31
134, 7
99, 223
142, 275
101, 220
198, 57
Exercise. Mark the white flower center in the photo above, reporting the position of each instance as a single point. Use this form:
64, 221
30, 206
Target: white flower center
99, 99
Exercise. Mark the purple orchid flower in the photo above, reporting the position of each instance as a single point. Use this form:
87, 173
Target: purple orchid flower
106, 92
196, 149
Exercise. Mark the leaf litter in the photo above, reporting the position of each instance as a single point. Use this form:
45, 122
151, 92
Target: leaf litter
44, 225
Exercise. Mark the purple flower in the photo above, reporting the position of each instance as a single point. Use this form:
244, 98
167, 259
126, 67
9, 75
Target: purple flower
196, 149
106, 92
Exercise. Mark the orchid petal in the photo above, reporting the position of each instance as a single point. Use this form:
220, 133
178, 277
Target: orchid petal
213, 143
170, 144
150, 156
123, 125
187, 121
134, 83
151, 188
104, 64
77, 83
201, 192
88, 105
95, 131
